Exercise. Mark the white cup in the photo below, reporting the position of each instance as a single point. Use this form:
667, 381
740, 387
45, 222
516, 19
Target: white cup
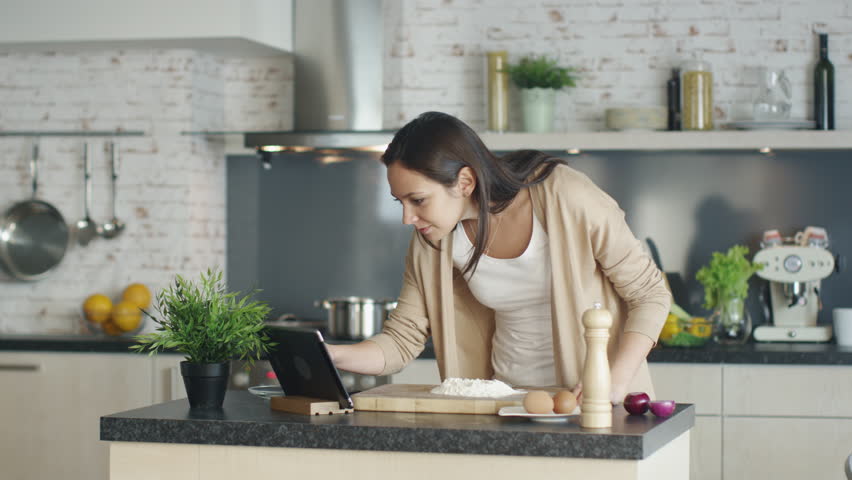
843, 326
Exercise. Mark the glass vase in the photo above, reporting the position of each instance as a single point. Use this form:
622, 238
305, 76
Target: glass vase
731, 322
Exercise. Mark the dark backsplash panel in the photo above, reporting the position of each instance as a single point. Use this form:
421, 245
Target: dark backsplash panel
307, 230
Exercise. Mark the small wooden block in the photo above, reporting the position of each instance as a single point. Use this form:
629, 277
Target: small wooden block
306, 405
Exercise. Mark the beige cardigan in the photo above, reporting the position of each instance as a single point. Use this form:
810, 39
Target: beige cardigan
595, 258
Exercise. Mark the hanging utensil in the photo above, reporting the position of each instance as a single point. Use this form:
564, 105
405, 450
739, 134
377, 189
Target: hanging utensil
87, 229
33, 234
114, 227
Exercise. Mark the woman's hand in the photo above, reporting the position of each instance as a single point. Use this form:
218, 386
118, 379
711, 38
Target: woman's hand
616, 393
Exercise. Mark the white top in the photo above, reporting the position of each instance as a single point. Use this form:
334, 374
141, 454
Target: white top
518, 290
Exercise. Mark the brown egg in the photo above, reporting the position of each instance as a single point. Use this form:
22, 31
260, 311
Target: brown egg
564, 402
538, 401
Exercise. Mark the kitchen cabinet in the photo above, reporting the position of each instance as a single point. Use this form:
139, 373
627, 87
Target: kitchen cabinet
52, 402
168, 382
420, 371
786, 448
229, 26
763, 421
51, 406
698, 384
786, 421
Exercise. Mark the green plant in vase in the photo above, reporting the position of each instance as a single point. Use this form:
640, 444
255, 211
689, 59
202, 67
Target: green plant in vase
725, 282
210, 326
539, 78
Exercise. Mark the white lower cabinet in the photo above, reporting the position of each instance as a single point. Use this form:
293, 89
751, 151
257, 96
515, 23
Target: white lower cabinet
698, 384
168, 382
778, 422
786, 448
420, 371
51, 404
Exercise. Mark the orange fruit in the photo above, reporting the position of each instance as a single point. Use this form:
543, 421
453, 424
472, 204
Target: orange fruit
137, 294
97, 308
111, 329
126, 316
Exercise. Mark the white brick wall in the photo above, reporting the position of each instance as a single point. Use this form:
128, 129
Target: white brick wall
171, 187
624, 48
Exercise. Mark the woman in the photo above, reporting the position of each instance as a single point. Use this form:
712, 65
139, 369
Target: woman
506, 255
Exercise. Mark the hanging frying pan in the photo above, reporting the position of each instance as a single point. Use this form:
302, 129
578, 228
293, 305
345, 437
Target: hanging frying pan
33, 235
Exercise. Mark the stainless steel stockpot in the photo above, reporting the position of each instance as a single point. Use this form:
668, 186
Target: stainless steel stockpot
355, 318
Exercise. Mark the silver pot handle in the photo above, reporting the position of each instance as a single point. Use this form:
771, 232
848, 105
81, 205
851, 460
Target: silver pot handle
322, 304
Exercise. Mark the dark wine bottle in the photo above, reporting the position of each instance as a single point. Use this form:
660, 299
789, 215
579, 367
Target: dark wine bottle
673, 93
824, 88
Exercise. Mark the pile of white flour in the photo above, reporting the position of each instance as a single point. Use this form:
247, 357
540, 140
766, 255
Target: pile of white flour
474, 387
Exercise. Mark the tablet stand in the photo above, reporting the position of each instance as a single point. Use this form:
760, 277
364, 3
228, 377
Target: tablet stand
306, 405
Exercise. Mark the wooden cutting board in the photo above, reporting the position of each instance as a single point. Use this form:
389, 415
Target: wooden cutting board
417, 399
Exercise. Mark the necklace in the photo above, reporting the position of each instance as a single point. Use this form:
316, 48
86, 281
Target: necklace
493, 235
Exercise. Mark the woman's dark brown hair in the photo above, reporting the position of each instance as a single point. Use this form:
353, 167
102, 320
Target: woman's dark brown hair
439, 145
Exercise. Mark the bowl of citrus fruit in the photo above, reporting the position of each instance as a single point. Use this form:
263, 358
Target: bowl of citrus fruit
684, 330
124, 316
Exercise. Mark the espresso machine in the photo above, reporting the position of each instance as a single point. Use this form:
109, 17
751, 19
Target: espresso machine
794, 267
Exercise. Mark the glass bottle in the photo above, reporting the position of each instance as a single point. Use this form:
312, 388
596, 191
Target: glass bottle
824, 88
497, 91
696, 93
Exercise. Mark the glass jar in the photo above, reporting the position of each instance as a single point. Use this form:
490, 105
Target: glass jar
772, 101
696, 93
731, 321
497, 91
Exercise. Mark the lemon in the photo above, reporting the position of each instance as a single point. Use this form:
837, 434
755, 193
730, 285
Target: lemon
137, 294
700, 327
110, 328
126, 316
97, 308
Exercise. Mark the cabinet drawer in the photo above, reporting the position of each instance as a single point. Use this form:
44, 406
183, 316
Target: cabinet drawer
786, 448
424, 372
700, 384
788, 390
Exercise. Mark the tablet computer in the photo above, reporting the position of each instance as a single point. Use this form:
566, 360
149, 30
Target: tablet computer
303, 366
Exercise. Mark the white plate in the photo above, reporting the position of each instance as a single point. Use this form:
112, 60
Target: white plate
773, 125
266, 391
518, 411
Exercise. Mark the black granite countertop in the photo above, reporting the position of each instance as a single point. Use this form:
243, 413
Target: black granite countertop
247, 420
66, 343
758, 353
749, 353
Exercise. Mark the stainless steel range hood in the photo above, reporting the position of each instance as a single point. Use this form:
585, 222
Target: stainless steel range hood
338, 50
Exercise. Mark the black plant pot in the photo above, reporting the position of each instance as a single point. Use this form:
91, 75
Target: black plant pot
205, 383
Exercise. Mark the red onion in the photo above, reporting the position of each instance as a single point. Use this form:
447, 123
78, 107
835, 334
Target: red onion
663, 408
636, 403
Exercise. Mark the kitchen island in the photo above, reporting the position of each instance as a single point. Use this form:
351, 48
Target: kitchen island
247, 438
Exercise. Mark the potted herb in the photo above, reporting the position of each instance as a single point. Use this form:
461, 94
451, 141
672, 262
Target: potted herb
210, 326
725, 282
539, 78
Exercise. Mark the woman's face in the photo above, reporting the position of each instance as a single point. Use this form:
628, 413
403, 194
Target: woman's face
434, 210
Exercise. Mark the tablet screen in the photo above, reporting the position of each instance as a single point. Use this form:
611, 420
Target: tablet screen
303, 365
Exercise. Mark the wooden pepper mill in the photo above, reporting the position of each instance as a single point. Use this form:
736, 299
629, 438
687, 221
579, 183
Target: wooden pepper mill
595, 408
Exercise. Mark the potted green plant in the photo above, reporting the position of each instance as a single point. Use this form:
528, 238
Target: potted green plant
539, 78
725, 282
210, 326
